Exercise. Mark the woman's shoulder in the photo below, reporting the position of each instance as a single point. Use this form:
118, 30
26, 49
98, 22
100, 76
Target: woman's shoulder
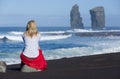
39, 34
24, 34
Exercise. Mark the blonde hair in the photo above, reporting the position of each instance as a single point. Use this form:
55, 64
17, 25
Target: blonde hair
31, 29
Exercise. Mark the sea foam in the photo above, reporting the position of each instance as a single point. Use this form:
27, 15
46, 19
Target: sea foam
17, 36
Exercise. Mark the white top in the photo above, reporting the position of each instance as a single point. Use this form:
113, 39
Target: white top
31, 46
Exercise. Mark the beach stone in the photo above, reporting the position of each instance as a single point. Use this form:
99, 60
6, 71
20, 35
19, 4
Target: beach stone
75, 18
26, 68
3, 66
97, 18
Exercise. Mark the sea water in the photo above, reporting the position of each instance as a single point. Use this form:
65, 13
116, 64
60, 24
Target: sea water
56, 44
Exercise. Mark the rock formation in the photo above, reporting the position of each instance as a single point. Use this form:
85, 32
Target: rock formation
97, 18
75, 19
26, 68
2, 66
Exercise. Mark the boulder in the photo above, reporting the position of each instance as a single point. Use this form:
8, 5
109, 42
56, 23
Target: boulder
26, 68
3, 67
97, 18
75, 19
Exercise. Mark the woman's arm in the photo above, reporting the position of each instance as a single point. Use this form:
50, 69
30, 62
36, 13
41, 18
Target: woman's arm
23, 36
39, 36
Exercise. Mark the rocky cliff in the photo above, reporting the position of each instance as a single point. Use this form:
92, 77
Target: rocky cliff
75, 19
97, 18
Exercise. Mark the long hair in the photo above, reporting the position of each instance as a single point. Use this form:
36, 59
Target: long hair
31, 29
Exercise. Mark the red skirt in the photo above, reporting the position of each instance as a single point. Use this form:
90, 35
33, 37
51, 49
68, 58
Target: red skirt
38, 62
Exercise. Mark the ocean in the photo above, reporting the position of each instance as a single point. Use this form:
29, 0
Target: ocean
58, 42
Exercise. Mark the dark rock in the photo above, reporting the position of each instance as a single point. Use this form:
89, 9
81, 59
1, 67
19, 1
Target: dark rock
97, 18
2, 66
4, 39
75, 19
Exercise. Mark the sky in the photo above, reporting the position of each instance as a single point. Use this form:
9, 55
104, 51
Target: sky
54, 12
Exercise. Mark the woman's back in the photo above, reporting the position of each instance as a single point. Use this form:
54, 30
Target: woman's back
31, 46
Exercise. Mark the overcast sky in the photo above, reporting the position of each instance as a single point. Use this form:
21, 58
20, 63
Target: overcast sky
54, 12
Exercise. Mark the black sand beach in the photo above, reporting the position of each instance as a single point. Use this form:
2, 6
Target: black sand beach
105, 66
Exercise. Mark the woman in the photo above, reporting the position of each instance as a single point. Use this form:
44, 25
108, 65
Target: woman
32, 59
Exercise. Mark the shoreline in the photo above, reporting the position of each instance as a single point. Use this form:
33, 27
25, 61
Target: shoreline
103, 66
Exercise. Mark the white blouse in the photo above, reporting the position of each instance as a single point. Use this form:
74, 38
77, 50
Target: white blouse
31, 46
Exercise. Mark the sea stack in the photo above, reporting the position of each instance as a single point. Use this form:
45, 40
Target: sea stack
75, 19
97, 18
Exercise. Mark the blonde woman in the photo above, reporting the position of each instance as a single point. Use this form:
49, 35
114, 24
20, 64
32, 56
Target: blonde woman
32, 59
